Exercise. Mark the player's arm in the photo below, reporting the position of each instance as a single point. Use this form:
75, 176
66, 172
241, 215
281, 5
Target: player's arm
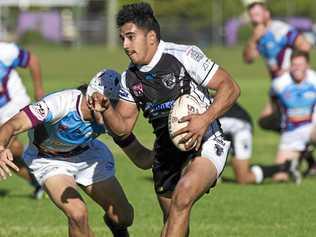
208, 74
120, 120
17, 124
302, 44
250, 52
141, 156
35, 69
227, 92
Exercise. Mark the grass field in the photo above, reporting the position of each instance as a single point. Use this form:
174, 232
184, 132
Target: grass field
272, 210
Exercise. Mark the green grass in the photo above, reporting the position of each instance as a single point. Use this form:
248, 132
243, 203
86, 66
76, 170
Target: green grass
229, 210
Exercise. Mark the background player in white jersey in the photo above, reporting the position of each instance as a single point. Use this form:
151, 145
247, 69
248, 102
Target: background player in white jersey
237, 127
274, 40
295, 93
64, 152
159, 73
13, 95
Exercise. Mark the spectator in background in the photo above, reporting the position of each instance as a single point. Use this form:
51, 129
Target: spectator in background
13, 96
274, 40
237, 127
295, 94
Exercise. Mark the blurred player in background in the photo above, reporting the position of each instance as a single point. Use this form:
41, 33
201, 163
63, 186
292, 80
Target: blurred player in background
274, 40
237, 127
158, 74
13, 96
295, 94
64, 153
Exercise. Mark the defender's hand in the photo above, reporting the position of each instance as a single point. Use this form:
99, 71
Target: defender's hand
6, 159
98, 102
195, 130
39, 94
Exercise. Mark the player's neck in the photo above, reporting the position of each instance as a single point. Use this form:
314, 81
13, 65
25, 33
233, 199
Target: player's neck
151, 53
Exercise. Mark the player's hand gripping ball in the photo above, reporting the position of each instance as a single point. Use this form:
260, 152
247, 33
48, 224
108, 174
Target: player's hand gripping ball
183, 106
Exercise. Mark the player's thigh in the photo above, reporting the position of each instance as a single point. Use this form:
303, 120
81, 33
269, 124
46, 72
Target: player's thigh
284, 155
199, 176
62, 190
110, 195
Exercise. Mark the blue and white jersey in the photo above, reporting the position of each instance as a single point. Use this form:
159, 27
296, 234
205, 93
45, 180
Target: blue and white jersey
297, 100
276, 45
11, 57
58, 123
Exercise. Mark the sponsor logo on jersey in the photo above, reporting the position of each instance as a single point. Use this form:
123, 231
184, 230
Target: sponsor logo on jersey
40, 110
169, 80
150, 76
195, 54
138, 89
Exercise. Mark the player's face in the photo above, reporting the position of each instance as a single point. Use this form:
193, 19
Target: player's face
258, 15
136, 43
298, 69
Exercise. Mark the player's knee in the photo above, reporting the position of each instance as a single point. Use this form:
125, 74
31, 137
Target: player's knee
77, 215
183, 197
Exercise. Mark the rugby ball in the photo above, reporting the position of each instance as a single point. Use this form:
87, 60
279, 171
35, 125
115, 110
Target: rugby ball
183, 106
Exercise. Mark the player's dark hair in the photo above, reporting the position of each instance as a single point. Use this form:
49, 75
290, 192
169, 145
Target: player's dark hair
141, 14
298, 53
252, 5
83, 88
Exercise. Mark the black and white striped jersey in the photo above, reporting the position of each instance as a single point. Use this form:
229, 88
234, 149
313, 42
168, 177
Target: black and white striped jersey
174, 70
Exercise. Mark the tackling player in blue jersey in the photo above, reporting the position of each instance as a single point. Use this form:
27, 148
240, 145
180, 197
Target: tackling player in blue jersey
63, 152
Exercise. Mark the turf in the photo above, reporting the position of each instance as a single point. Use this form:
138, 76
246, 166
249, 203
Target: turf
229, 210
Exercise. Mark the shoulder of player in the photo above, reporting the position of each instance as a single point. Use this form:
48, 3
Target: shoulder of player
66, 98
279, 83
9, 52
277, 24
186, 54
311, 76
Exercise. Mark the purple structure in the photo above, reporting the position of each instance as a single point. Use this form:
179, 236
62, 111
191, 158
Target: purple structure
233, 25
47, 23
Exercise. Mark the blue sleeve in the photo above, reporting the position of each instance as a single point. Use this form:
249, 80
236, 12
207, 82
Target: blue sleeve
22, 60
292, 36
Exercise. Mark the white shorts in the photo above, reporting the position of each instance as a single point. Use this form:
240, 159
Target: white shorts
18, 95
216, 149
241, 136
91, 166
297, 139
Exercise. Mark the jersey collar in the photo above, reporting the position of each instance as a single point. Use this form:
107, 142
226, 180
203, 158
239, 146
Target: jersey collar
155, 59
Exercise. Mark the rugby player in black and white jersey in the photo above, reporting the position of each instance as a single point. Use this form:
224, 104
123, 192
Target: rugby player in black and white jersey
238, 128
159, 73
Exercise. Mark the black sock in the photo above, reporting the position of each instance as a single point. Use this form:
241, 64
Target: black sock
270, 170
117, 230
